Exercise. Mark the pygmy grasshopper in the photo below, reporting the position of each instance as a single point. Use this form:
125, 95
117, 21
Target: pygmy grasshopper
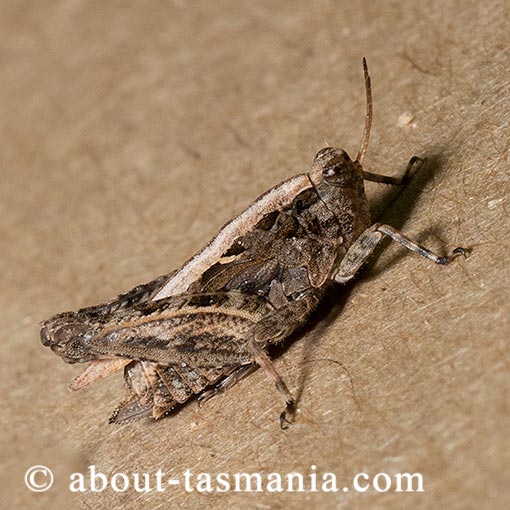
205, 326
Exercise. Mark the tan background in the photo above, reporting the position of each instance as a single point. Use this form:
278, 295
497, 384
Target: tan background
130, 131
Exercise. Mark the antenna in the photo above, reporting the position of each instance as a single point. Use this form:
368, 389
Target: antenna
368, 119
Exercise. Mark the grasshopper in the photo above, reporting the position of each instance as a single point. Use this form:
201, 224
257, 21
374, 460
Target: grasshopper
204, 327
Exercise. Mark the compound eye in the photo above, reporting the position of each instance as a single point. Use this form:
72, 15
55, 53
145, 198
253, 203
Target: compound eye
337, 173
336, 170
324, 152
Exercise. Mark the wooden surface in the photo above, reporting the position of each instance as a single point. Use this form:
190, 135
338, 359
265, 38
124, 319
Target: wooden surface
131, 131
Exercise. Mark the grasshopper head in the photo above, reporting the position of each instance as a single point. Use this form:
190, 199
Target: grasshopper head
333, 167
338, 181
68, 337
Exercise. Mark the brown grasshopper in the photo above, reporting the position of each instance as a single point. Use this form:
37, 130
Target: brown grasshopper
203, 327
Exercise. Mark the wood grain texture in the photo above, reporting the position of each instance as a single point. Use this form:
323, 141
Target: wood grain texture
130, 133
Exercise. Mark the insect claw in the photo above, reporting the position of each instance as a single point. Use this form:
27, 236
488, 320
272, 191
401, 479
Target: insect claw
415, 163
291, 409
461, 251
455, 253
284, 421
